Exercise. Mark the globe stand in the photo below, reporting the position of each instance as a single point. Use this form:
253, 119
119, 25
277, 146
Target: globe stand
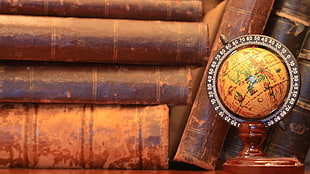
252, 159
252, 135
254, 77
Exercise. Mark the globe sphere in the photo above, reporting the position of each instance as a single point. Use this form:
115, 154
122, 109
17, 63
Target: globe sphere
252, 82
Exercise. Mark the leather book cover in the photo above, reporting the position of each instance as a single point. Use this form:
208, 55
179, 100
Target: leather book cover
295, 10
290, 33
205, 131
178, 10
291, 138
114, 41
83, 136
51, 82
305, 49
231, 147
289, 22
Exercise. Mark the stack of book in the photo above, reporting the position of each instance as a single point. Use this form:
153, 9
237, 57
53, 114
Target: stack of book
88, 84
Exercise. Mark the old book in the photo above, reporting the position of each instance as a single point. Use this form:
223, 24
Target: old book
291, 137
290, 33
83, 136
231, 147
289, 22
102, 40
205, 131
180, 10
52, 82
295, 10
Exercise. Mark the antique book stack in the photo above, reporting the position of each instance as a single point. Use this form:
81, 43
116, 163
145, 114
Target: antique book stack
88, 84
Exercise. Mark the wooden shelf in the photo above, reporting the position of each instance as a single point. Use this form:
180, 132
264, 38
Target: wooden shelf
95, 171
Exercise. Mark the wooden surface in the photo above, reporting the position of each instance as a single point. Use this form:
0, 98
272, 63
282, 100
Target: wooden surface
64, 171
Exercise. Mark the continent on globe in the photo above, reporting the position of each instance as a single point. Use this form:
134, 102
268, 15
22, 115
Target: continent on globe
252, 82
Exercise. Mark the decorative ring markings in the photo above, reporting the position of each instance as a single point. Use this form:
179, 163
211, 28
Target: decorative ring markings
270, 44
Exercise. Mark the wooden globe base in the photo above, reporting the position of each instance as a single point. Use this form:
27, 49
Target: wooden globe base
251, 158
263, 165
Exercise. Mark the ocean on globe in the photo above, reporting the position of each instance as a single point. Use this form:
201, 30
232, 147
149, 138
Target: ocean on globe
252, 82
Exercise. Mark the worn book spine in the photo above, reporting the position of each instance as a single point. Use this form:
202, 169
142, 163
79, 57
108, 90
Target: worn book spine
103, 40
205, 131
178, 10
291, 137
52, 82
83, 136
295, 10
289, 22
290, 33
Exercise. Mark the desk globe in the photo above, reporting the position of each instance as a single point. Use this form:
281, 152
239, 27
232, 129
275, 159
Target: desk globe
253, 82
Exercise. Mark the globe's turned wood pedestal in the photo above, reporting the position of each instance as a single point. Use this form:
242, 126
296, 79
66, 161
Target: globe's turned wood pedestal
251, 158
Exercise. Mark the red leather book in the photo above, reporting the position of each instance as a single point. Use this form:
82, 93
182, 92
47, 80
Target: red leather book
103, 40
42, 82
83, 136
182, 10
205, 131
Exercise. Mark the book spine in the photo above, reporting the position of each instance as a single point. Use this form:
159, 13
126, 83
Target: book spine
83, 136
205, 131
295, 10
291, 137
103, 40
179, 10
231, 147
289, 22
94, 83
290, 33
305, 49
